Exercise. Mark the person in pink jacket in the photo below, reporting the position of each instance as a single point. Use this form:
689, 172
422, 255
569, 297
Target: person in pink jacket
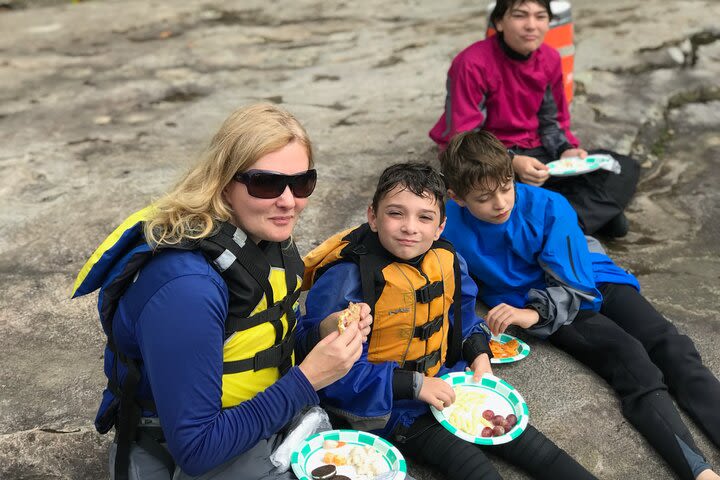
511, 85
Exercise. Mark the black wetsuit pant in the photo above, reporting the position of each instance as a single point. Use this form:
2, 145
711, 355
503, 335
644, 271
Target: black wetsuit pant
645, 360
428, 441
597, 197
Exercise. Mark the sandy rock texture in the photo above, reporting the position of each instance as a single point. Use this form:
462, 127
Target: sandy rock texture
103, 105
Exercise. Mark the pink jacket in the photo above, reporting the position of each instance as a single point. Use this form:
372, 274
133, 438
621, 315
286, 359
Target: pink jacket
521, 101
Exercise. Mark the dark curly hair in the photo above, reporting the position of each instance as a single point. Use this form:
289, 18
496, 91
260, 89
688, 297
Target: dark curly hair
419, 178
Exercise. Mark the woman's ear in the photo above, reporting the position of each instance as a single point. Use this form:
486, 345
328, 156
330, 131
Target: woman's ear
453, 196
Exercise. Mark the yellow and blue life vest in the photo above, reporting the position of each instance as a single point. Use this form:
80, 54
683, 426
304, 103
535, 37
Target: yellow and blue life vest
263, 283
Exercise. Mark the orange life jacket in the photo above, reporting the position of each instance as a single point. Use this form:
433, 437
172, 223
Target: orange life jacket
410, 301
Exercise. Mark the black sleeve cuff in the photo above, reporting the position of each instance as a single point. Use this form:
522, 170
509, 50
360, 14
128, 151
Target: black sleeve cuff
402, 384
475, 345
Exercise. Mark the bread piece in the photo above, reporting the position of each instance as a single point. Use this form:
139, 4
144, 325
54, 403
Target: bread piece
349, 315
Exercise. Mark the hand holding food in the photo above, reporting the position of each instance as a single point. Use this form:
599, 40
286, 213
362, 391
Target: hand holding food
355, 313
503, 315
530, 170
350, 315
436, 392
332, 357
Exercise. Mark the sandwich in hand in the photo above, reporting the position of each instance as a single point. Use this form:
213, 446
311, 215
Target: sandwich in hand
349, 315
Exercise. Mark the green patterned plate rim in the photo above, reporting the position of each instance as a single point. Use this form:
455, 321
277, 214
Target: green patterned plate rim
577, 166
309, 454
502, 397
523, 351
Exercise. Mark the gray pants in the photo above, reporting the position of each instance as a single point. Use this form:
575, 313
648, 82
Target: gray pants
251, 465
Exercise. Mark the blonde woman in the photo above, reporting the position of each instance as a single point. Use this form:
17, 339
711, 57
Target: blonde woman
197, 301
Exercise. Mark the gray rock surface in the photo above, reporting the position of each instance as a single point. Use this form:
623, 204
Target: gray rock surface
103, 104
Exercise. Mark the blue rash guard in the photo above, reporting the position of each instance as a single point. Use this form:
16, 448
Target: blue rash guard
367, 391
539, 257
173, 317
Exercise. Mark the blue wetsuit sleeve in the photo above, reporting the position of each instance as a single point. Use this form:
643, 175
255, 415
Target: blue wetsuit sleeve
569, 279
366, 391
181, 333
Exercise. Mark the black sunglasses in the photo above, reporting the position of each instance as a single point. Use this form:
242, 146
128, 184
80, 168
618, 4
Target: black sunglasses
267, 184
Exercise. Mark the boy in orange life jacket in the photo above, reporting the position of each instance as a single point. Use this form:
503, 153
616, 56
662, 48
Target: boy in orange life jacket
424, 326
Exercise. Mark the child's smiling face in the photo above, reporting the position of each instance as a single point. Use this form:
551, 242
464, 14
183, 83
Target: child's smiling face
406, 224
492, 206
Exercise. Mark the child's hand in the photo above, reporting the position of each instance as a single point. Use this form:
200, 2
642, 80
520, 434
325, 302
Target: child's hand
480, 366
437, 393
530, 170
365, 322
502, 316
574, 152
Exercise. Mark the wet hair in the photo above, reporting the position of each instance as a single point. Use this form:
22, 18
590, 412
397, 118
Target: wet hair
419, 178
194, 208
503, 6
475, 160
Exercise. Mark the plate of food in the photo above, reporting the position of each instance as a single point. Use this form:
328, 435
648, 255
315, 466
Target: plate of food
578, 166
347, 454
488, 412
507, 349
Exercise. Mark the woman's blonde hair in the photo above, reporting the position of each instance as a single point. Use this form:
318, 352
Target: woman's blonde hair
193, 208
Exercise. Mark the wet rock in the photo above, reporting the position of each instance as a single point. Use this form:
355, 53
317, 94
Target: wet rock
101, 110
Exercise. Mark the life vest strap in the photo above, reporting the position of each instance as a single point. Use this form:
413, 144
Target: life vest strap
114, 386
275, 312
149, 439
423, 332
127, 419
274, 356
424, 363
429, 292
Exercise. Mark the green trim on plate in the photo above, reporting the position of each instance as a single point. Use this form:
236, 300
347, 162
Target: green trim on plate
487, 382
503, 390
302, 458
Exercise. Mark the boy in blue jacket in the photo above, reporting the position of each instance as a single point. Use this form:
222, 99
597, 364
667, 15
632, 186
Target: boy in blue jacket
424, 326
536, 270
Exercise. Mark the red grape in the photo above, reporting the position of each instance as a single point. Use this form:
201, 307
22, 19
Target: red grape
512, 420
498, 430
488, 414
486, 432
498, 420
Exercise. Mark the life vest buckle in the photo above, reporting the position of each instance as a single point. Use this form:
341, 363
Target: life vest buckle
422, 364
424, 332
275, 355
429, 292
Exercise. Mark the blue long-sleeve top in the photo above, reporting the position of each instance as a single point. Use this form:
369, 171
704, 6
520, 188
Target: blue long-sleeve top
173, 317
367, 390
538, 257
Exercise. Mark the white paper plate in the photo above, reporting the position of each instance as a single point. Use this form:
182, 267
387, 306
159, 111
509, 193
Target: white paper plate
310, 453
577, 166
523, 349
500, 397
